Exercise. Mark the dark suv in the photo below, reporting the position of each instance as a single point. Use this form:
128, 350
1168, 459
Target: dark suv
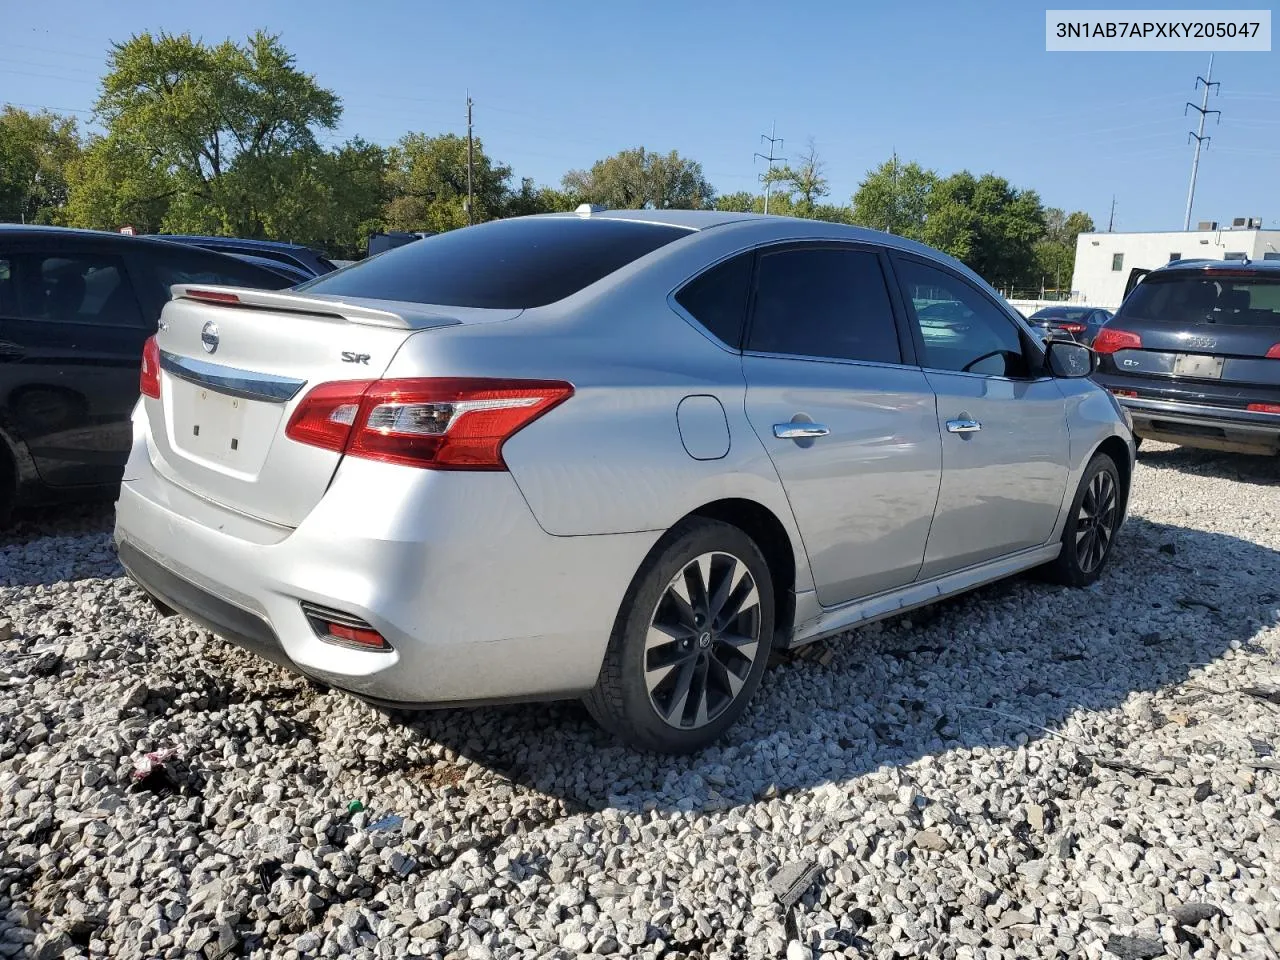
1194, 354
75, 309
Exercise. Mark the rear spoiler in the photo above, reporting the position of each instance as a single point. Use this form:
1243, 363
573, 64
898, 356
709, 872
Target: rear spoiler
403, 316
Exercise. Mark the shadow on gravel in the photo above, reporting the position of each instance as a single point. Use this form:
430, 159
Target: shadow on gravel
1224, 466
34, 549
1007, 664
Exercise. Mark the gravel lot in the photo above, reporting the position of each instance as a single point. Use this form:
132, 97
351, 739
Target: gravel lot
1026, 772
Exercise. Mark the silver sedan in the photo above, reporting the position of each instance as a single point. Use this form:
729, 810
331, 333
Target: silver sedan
618, 456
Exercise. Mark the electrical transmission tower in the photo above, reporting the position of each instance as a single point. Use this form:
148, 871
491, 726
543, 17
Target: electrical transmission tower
1199, 137
774, 142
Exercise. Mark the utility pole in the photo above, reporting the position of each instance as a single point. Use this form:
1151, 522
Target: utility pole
1111, 222
470, 163
1198, 136
893, 206
773, 141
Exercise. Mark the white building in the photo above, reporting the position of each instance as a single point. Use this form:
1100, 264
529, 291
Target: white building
1103, 260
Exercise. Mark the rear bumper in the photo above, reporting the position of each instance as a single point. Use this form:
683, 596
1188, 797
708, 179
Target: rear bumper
1201, 425
476, 601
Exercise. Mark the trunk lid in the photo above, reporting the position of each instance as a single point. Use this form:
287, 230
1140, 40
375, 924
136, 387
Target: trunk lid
233, 366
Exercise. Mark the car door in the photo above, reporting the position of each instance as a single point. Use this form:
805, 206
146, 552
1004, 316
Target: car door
848, 420
75, 330
1005, 449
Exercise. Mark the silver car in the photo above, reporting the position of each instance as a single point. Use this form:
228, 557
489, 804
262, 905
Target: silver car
618, 456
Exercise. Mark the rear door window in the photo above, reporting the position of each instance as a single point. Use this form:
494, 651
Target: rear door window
506, 264
824, 302
76, 288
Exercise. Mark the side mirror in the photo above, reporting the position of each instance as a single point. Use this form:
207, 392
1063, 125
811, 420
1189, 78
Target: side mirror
1068, 359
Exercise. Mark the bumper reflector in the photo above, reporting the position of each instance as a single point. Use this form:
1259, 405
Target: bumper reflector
334, 626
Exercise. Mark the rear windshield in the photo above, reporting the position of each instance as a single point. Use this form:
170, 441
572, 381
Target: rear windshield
1204, 298
506, 264
1061, 313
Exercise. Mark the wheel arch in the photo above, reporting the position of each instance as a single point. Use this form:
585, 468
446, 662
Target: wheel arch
1118, 450
769, 534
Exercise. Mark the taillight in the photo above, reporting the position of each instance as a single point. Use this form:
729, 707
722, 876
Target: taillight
149, 379
1109, 341
1264, 407
325, 416
1125, 393
1274, 352
1072, 327
438, 423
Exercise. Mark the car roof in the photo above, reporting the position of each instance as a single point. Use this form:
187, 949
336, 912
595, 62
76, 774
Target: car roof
238, 241
1261, 267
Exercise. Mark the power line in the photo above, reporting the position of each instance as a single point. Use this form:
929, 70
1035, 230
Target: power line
470, 214
1199, 136
774, 142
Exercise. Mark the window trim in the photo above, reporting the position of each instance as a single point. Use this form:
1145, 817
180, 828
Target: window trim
906, 346
1030, 349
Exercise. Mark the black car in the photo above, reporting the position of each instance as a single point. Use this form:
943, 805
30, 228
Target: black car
1193, 353
75, 309
1069, 323
294, 254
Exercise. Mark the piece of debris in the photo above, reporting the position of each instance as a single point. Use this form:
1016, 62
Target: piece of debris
224, 945
268, 873
150, 773
1204, 790
355, 806
1035, 817
1151, 639
47, 663
1066, 845
792, 880
1266, 694
391, 821
1189, 914
1194, 602
1135, 948
1169, 548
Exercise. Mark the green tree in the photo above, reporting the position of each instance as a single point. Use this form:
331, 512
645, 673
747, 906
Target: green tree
642, 179
742, 201
530, 199
113, 184
990, 225
894, 197
213, 130
35, 151
1056, 251
427, 181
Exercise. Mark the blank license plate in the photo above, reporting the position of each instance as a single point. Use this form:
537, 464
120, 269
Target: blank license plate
1193, 365
215, 426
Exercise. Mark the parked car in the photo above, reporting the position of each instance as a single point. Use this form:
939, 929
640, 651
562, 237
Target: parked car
76, 307
1193, 353
1080, 324
383, 241
617, 456
313, 262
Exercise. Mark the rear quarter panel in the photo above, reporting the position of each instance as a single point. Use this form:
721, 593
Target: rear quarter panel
610, 460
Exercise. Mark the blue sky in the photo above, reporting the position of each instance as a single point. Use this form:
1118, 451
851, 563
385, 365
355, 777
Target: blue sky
558, 84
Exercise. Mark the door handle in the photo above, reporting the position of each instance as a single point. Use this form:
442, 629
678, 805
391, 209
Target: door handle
798, 430
963, 426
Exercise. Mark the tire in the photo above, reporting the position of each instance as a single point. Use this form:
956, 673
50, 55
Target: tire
1089, 534
717, 663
